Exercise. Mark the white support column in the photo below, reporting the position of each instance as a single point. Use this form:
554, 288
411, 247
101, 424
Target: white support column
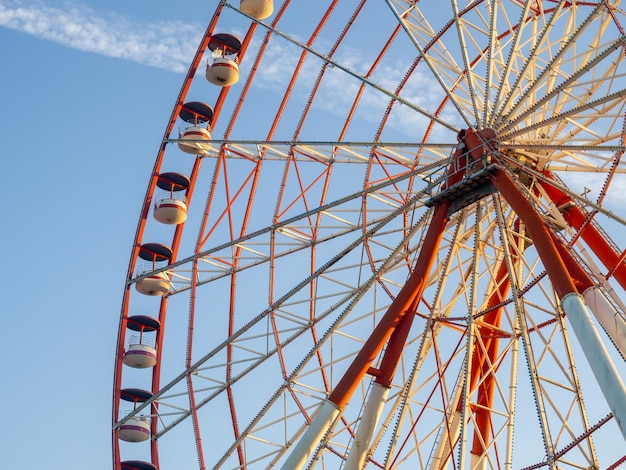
322, 423
598, 357
367, 426
449, 436
612, 323
479, 462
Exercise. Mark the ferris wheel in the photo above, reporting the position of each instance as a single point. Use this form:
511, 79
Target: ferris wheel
384, 234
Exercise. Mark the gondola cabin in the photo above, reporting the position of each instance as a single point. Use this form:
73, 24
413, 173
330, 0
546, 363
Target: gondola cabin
224, 68
136, 428
196, 138
257, 9
141, 352
170, 206
137, 465
154, 283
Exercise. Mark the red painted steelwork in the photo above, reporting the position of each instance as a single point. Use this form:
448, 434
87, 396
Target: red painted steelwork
456, 170
479, 144
404, 304
473, 146
483, 359
592, 236
539, 231
579, 275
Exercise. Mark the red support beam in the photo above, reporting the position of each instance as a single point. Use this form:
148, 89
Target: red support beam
574, 216
539, 231
484, 359
404, 305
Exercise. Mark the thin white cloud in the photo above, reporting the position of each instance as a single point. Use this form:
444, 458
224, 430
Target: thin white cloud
339, 90
167, 45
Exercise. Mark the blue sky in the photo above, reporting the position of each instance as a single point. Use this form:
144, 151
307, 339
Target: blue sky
85, 91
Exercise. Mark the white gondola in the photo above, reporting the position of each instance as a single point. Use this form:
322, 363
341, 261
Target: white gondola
142, 351
170, 211
135, 430
137, 465
224, 69
156, 283
140, 354
258, 9
196, 139
171, 206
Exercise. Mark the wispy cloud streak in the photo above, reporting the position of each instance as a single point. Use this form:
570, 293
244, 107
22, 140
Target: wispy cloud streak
167, 45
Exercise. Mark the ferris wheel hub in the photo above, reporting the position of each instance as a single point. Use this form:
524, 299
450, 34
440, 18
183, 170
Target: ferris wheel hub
473, 161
